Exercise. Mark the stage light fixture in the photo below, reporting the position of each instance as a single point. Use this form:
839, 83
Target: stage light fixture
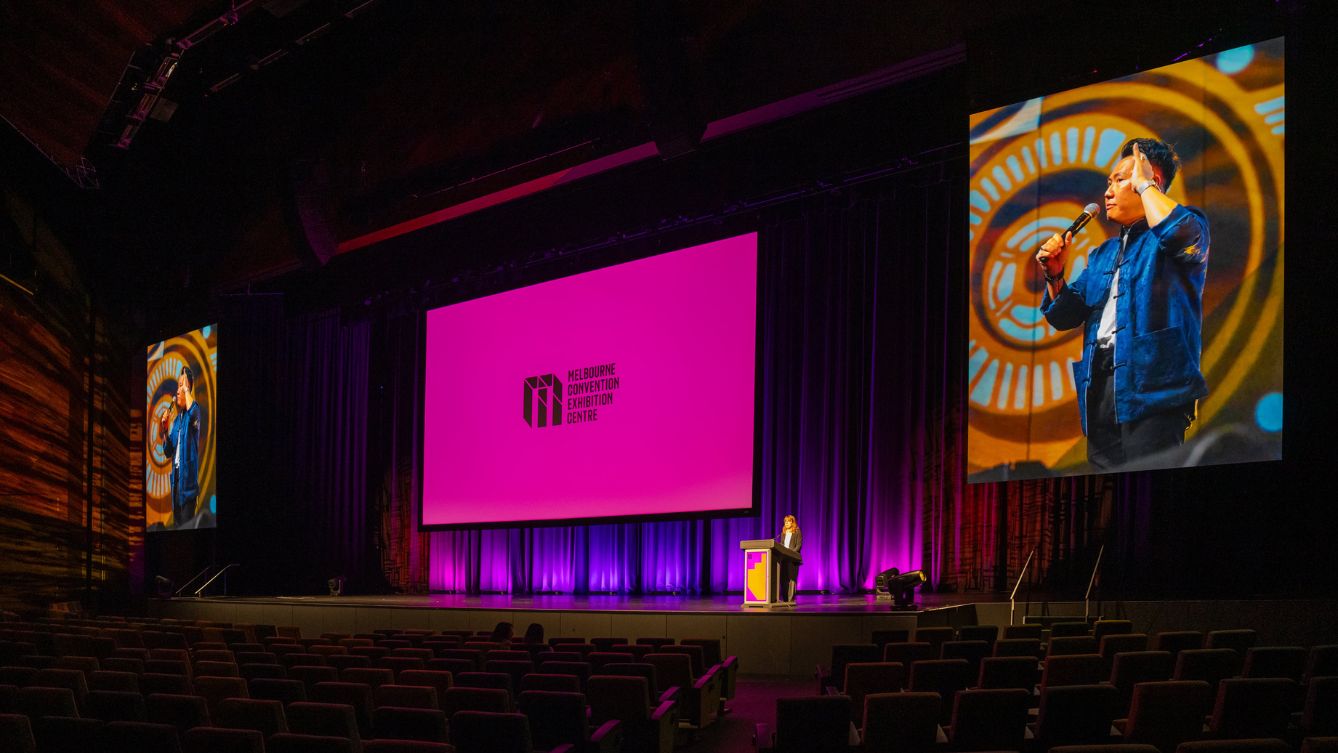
899, 587
164, 587
336, 585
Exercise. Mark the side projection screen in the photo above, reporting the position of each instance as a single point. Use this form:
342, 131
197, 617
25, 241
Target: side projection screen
624, 392
1156, 342
181, 473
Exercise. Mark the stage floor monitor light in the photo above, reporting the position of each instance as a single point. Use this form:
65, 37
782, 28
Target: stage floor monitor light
899, 587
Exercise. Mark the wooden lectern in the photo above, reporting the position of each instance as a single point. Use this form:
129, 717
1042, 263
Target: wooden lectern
762, 585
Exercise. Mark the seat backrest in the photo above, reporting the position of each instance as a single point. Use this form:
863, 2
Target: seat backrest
114, 706
108, 680
564, 683
1176, 641
847, 653
1018, 647
1166, 714
615, 697
555, 717
1252, 707
892, 635
1319, 716
374, 677
405, 696
909, 652
355, 694
901, 722
16, 734
990, 719
143, 737
410, 724
502, 732
638, 669
673, 669
1322, 662
266, 717
1008, 672
211, 739
699, 666
333, 719
460, 698
1073, 669
1075, 715
1069, 629
711, 651
180, 711
1238, 640
289, 742
274, 689
599, 659
1208, 664
36, 701
987, 633
971, 651
1133, 667
1118, 643
52, 677
813, 725
1102, 628
1023, 631
1071, 644
1287, 662
865, 678
1252, 745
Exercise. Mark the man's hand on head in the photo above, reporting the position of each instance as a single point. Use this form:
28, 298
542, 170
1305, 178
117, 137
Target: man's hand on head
1141, 169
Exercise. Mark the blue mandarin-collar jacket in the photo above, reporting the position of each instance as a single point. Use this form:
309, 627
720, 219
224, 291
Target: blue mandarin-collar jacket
185, 431
1158, 314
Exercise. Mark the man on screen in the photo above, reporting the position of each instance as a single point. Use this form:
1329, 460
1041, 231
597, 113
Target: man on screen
1139, 302
181, 443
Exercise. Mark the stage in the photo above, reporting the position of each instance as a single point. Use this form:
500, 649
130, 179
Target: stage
777, 642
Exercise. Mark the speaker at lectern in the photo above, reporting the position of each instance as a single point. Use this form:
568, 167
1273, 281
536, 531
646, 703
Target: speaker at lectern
762, 559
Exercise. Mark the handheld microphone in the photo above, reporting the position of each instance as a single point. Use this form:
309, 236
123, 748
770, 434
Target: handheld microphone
1088, 212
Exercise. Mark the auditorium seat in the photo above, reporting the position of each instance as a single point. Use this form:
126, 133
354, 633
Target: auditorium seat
1018, 647
600, 658
310, 675
546, 656
580, 669
108, 680
181, 711
494, 680
141, 737
1252, 707
155, 682
698, 657
123, 664
68, 734
1119, 643
883, 637
844, 653
398, 664
406, 696
16, 734
1319, 745
865, 678
1319, 715
255, 657
943, 676
409, 724
1111, 748
454, 666
1165, 714
514, 669
72, 679
1070, 630
657, 642
1210, 665
1286, 662
266, 717
328, 719
900, 722
994, 719
1071, 644
614, 698
219, 655
83, 664
1073, 669
971, 651
558, 718
606, 643
1075, 715
406, 746
1176, 641
459, 699
475, 731
8, 698
1252, 745
1035, 632
222, 740
35, 702
1134, 667
216, 669
355, 694
808, 725
1322, 661
908, 653
371, 676
214, 690
114, 706
713, 655
1103, 628
288, 742
987, 633
1022, 672
659, 691
638, 650
1239, 641
699, 697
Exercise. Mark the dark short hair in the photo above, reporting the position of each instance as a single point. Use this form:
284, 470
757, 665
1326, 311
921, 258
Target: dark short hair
1161, 154
188, 376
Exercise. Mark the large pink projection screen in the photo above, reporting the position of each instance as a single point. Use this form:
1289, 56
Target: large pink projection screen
625, 392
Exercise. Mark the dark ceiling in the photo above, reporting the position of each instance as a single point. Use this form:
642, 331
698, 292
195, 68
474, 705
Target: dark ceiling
370, 112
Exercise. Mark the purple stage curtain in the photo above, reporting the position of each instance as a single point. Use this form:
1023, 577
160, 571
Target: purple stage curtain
854, 362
